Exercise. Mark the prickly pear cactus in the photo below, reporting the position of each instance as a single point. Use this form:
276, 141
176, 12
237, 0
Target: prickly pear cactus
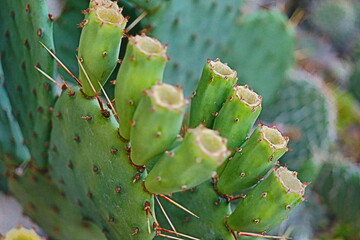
95, 147
24, 25
330, 184
50, 208
55, 214
336, 19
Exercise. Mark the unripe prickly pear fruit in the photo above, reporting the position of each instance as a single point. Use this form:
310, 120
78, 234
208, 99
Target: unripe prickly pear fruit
141, 68
157, 120
99, 45
268, 203
216, 82
252, 161
238, 115
192, 162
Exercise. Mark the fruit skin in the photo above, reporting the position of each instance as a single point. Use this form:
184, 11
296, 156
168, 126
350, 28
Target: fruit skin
189, 164
157, 120
99, 46
217, 80
266, 205
251, 162
238, 115
140, 69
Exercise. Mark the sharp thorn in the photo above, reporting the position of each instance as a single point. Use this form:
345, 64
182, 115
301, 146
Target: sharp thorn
62, 65
136, 21
178, 205
109, 101
164, 212
177, 233
261, 235
48, 77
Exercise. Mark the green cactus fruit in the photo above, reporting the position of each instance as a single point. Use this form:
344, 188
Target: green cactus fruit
49, 207
253, 160
238, 115
100, 41
269, 203
304, 110
192, 162
25, 24
157, 120
90, 164
20, 233
141, 68
215, 85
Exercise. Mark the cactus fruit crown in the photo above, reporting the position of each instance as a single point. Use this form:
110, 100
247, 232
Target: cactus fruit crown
210, 143
249, 97
167, 96
149, 46
110, 15
274, 137
222, 69
289, 180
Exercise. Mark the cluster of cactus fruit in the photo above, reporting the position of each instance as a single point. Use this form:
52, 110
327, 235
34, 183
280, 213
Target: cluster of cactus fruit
116, 163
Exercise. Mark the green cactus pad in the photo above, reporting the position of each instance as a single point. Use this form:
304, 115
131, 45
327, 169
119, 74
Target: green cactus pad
25, 24
100, 41
211, 211
11, 139
269, 203
238, 115
49, 207
216, 82
338, 187
157, 120
90, 164
253, 160
141, 68
193, 161
336, 19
